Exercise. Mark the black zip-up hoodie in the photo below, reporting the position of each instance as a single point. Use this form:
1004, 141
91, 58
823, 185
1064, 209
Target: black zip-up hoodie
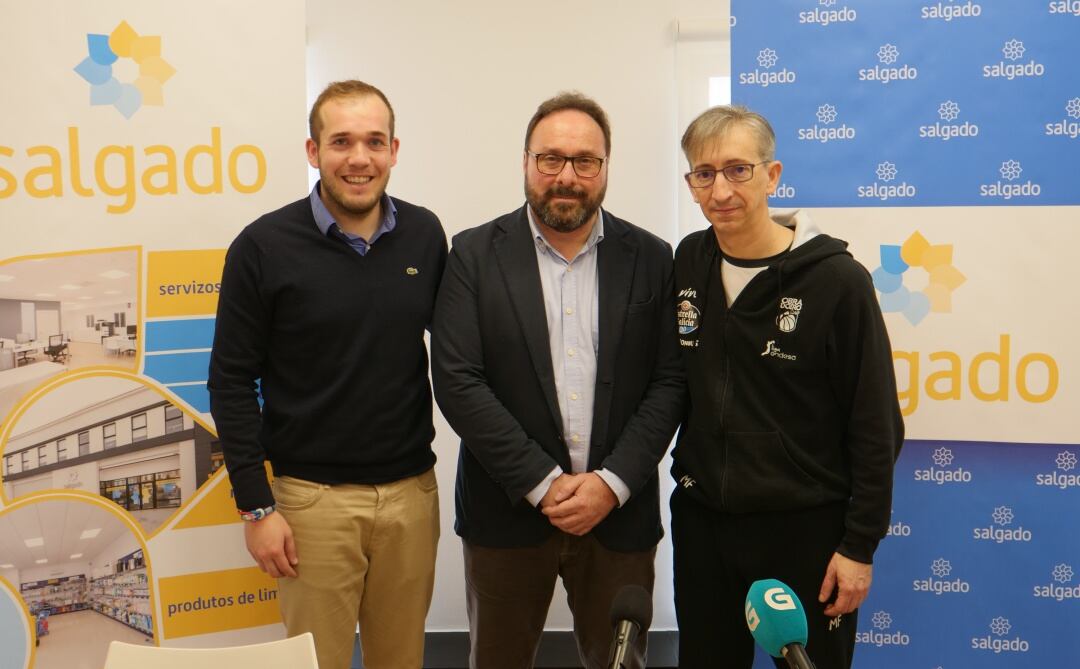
792, 390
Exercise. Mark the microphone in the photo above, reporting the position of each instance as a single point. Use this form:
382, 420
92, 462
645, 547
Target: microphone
631, 615
777, 621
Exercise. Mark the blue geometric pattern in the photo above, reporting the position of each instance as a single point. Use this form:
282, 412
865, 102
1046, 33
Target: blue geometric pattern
97, 70
916, 252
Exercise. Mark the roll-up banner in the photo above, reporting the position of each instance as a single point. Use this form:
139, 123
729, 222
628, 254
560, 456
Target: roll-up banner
137, 139
942, 140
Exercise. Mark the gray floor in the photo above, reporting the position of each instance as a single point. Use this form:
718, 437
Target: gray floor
450, 650
81, 639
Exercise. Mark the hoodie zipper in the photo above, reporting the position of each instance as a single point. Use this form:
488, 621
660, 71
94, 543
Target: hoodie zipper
712, 269
717, 258
723, 405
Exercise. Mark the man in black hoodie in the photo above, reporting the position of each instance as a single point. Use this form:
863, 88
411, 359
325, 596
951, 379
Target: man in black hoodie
784, 462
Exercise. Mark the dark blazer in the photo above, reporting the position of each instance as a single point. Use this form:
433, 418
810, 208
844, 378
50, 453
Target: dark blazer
493, 380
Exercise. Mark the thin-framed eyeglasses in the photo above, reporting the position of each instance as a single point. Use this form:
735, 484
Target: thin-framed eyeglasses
552, 164
735, 174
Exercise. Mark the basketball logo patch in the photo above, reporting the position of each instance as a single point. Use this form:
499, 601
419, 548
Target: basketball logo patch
790, 308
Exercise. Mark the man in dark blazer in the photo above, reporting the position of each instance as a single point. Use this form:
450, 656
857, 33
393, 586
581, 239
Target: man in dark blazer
555, 358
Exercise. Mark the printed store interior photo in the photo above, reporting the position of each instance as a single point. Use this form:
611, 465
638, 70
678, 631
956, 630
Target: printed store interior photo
81, 573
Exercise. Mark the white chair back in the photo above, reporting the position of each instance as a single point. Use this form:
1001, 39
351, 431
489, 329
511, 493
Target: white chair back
296, 652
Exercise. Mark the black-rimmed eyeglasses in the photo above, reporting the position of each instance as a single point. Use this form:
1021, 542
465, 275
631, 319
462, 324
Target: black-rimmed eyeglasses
552, 164
733, 173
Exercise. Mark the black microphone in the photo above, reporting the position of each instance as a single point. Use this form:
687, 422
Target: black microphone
796, 657
631, 615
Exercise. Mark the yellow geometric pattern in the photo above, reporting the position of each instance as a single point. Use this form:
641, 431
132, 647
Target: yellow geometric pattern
143, 50
916, 251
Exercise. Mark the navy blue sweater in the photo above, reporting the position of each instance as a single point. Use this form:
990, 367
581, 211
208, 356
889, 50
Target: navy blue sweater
335, 342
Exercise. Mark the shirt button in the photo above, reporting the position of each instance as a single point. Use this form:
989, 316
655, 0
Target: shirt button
569, 311
573, 396
570, 352
575, 438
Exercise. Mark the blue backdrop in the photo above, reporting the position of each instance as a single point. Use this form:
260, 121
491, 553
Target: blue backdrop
902, 103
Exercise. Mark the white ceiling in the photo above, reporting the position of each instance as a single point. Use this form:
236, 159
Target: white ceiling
80, 275
59, 523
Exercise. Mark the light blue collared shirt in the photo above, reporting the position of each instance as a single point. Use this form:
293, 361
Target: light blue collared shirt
571, 302
329, 227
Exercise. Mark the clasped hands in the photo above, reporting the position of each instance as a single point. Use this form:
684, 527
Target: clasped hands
576, 503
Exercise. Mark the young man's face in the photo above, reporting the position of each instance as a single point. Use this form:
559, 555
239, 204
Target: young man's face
734, 208
354, 154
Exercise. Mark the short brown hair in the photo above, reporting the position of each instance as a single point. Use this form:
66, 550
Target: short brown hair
714, 123
575, 101
350, 88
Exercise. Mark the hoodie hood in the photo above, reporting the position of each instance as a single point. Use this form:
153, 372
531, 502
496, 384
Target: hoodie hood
809, 246
800, 221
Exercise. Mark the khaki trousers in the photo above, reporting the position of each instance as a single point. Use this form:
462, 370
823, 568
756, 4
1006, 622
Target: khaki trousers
508, 592
367, 555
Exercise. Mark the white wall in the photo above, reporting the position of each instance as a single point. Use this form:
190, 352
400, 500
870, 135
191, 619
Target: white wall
45, 572
74, 318
12, 576
103, 562
27, 486
53, 416
464, 78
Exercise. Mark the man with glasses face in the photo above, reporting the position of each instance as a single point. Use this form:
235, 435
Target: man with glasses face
784, 461
554, 357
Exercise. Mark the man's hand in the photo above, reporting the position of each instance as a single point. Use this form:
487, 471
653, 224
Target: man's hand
591, 502
561, 489
850, 579
270, 542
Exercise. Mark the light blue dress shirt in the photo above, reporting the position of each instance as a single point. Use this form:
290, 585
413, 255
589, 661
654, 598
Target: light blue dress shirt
571, 302
325, 220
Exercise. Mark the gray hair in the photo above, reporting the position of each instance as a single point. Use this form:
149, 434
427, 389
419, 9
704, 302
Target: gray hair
715, 122
575, 101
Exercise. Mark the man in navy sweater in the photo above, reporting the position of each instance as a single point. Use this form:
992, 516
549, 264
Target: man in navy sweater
322, 313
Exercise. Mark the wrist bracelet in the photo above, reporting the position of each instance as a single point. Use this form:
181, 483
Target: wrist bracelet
257, 514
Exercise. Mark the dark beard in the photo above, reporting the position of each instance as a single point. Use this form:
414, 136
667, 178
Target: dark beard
563, 218
355, 210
